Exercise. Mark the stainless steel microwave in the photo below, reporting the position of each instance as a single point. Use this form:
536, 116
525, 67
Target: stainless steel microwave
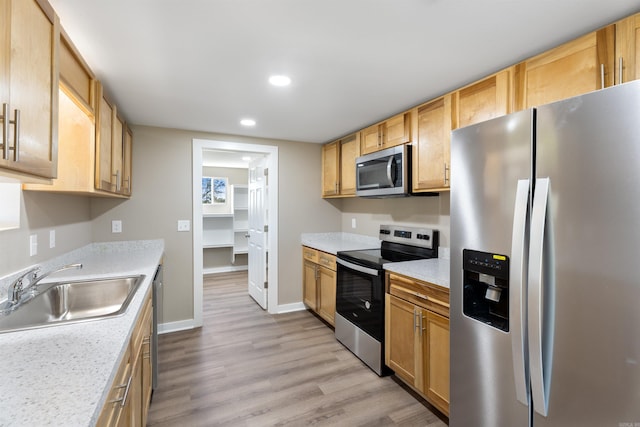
384, 173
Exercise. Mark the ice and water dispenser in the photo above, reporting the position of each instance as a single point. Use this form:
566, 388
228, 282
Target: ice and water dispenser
486, 288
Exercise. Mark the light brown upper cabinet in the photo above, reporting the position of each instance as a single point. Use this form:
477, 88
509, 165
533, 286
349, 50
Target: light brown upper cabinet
391, 132
580, 66
75, 75
431, 152
627, 49
105, 114
339, 166
112, 143
29, 88
117, 152
76, 125
330, 169
483, 100
127, 163
349, 151
94, 145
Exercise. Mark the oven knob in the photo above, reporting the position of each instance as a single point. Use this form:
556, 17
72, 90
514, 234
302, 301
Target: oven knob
367, 305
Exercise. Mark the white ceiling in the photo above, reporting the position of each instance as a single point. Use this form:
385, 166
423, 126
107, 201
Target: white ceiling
203, 64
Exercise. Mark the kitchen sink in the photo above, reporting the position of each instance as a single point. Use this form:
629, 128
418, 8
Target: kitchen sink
72, 301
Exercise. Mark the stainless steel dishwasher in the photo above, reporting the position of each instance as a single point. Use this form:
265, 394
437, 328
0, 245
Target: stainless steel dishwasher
157, 317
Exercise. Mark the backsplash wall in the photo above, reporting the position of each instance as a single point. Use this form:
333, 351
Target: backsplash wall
40, 212
431, 212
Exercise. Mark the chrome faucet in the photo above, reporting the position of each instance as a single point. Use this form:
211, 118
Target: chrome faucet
17, 289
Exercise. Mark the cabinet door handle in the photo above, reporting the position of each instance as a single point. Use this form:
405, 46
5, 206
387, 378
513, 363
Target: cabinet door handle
620, 70
446, 174
16, 135
601, 76
117, 175
5, 131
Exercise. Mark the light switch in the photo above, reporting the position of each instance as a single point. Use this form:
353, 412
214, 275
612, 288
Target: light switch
184, 225
116, 226
52, 239
33, 245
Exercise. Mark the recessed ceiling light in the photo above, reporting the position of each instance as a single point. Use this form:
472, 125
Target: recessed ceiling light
246, 158
248, 122
280, 80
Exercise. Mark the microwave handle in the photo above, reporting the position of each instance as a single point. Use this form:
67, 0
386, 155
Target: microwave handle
389, 165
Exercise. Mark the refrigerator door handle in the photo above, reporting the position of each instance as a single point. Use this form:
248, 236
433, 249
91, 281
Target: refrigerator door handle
540, 298
517, 291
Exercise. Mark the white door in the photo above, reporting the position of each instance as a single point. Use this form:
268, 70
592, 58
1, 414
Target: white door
258, 249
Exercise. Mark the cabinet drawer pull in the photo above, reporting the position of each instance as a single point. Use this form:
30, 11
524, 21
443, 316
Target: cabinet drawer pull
122, 401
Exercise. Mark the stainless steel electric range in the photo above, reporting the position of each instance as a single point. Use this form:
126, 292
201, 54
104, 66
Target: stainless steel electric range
359, 321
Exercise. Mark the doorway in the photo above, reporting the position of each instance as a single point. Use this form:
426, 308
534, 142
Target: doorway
270, 155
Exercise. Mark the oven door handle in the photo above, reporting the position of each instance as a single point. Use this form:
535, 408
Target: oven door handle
356, 267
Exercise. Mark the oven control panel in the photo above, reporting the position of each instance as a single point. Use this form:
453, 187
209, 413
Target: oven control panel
415, 236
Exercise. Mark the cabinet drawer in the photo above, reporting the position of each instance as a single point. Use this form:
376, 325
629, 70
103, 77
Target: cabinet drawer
420, 293
327, 260
139, 330
310, 254
115, 402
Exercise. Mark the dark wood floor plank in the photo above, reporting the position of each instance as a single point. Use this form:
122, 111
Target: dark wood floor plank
245, 367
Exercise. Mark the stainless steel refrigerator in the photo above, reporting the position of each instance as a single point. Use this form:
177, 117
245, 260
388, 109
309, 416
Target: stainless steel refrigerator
545, 265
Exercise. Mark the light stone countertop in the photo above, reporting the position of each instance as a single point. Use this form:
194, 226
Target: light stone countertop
339, 241
434, 270
60, 375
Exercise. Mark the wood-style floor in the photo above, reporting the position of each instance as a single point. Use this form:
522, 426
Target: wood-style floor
245, 367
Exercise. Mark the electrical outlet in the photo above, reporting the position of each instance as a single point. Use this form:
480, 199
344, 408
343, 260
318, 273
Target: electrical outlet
52, 239
184, 225
116, 226
33, 245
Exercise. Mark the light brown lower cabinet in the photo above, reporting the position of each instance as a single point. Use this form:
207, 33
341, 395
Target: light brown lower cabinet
130, 395
319, 282
417, 337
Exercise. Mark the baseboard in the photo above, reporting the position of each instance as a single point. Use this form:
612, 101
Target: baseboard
288, 308
226, 269
182, 325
